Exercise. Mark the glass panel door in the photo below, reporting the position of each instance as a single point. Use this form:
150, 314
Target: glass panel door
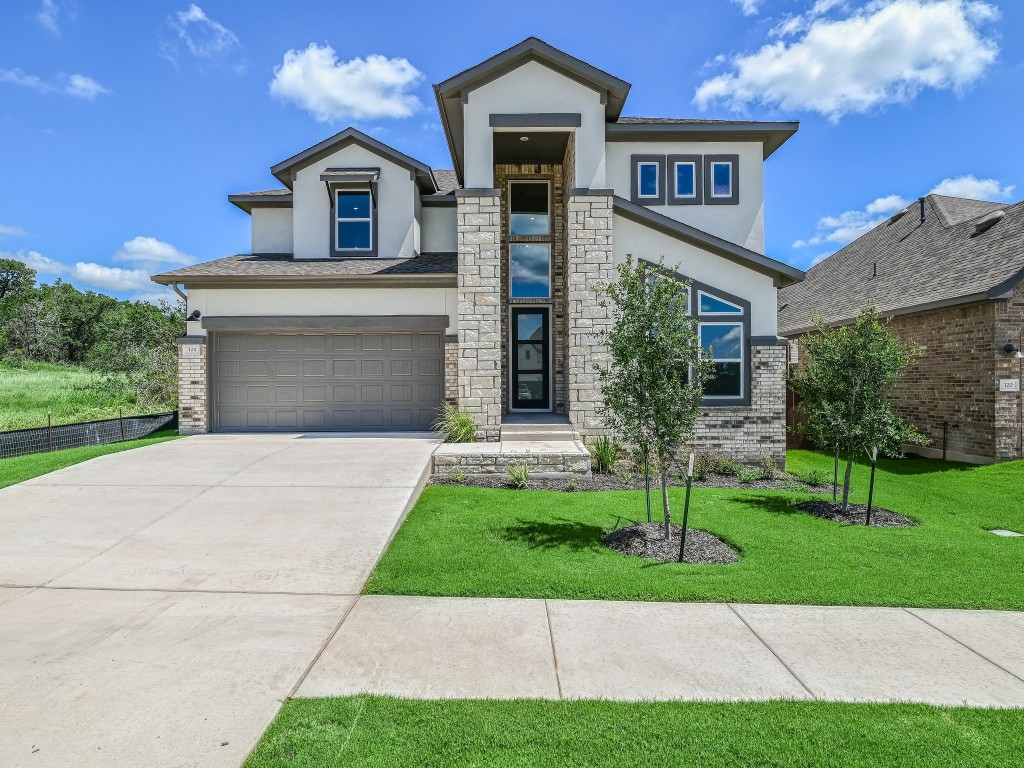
530, 380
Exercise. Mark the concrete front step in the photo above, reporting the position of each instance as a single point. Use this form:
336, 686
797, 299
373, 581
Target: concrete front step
532, 432
547, 458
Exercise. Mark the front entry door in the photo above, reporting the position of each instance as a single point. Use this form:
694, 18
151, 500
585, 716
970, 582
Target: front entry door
531, 356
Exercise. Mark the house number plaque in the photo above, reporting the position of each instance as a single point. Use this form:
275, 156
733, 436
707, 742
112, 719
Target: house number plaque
1009, 385
190, 350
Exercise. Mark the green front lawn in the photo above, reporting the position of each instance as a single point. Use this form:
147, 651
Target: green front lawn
21, 468
382, 732
546, 544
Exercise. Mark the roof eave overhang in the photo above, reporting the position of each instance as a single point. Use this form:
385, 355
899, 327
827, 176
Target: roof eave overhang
248, 202
447, 280
782, 273
770, 135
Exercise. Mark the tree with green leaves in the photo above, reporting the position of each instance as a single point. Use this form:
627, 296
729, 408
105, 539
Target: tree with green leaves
844, 386
15, 277
653, 384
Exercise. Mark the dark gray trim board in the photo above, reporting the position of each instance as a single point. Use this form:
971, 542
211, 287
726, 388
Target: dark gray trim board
241, 282
768, 341
286, 169
190, 340
439, 201
346, 323
350, 175
591, 192
706, 241
478, 192
634, 179
537, 120
770, 135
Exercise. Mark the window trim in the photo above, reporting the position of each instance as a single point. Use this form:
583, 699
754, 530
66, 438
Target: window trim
697, 198
733, 198
634, 187
739, 310
353, 253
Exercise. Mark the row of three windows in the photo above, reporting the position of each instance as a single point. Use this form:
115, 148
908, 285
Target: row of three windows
685, 179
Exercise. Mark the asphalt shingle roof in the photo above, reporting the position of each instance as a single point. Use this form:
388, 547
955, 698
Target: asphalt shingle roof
285, 265
905, 263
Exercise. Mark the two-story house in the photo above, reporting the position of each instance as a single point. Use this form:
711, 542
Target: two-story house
378, 287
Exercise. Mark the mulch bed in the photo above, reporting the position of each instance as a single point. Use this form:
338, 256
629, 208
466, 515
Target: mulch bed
832, 510
648, 540
624, 482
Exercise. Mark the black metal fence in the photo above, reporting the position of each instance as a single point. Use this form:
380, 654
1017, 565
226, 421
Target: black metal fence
20, 442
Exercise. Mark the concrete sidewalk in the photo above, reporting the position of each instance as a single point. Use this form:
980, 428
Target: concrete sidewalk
426, 647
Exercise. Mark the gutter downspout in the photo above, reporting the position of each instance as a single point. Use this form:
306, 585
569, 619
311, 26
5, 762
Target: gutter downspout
177, 290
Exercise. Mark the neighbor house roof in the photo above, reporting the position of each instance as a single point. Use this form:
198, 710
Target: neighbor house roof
285, 170
267, 198
783, 273
269, 270
771, 134
931, 254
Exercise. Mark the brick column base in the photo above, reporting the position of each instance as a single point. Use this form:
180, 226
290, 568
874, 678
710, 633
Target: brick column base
192, 386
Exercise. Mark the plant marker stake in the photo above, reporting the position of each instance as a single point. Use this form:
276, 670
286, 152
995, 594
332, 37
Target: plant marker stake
120, 420
686, 510
871, 485
49, 428
647, 486
835, 478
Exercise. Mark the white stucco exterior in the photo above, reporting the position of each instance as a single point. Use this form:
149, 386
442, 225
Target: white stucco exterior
698, 264
397, 226
742, 224
533, 88
272, 230
312, 302
439, 230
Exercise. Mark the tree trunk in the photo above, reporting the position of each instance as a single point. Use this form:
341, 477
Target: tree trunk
664, 504
846, 485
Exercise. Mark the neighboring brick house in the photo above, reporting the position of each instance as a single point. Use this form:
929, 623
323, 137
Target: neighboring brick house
378, 287
950, 274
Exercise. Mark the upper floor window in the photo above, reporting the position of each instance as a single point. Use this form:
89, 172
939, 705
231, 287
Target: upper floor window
686, 173
353, 212
712, 305
648, 184
721, 179
529, 208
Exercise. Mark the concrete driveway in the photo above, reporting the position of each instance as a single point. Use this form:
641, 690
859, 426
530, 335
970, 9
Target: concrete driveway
157, 605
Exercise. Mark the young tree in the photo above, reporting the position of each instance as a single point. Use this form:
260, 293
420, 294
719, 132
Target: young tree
844, 387
653, 385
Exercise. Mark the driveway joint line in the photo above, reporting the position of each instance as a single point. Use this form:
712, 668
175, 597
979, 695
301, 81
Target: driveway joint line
960, 642
83, 588
772, 651
554, 653
319, 653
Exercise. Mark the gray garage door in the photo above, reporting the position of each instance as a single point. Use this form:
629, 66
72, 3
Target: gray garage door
347, 382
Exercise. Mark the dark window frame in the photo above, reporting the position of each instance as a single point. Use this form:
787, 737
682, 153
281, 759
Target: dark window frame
354, 253
698, 180
634, 184
734, 198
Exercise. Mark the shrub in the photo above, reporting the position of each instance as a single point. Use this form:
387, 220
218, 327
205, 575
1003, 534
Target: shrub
770, 469
573, 484
815, 477
457, 475
604, 452
518, 473
713, 463
455, 424
748, 476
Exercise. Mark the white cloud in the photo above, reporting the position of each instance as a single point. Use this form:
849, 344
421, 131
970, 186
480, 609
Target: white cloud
885, 52
149, 253
849, 225
79, 86
331, 90
197, 33
748, 7
44, 265
84, 87
110, 278
50, 13
972, 187
12, 231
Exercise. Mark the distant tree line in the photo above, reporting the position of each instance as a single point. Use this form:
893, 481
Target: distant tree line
130, 342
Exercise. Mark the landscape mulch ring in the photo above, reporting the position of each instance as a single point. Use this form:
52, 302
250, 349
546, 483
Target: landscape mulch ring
648, 540
622, 482
856, 514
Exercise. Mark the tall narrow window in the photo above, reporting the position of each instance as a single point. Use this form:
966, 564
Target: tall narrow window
686, 179
531, 270
724, 343
529, 212
647, 179
529, 250
721, 179
353, 221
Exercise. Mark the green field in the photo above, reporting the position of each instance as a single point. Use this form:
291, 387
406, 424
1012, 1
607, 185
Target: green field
476, 542
70, 393
382, 732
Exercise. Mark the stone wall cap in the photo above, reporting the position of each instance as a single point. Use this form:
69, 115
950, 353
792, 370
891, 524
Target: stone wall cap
191, 340
478, 192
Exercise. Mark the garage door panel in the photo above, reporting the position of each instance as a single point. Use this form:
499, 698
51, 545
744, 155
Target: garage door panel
293, 381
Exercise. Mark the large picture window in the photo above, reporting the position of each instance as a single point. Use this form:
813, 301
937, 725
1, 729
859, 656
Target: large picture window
723, 342
353, 212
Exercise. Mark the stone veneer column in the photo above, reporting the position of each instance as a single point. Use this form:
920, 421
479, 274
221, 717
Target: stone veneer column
589, 268
192, 385
479, 367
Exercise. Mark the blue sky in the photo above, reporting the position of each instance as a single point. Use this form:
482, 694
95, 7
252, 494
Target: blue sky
123, 126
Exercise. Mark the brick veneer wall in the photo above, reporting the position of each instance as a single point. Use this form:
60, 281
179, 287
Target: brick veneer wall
749, 433
553, 174
479, 291
590, 267
451, 369
1008, 414
192, 388
952, 380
